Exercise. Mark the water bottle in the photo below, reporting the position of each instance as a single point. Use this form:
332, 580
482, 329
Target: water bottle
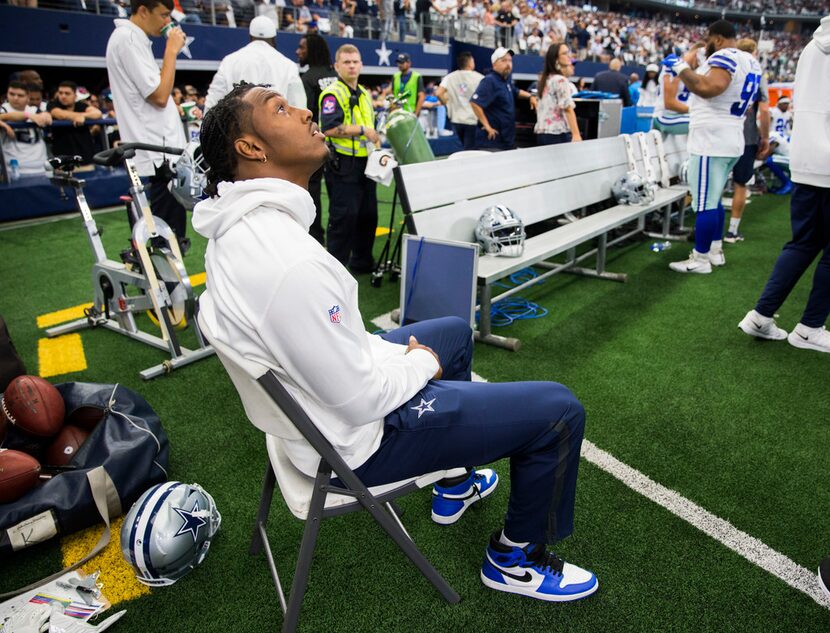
14, 170
659, 247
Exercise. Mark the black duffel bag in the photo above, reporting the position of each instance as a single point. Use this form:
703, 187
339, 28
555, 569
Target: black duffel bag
126, 453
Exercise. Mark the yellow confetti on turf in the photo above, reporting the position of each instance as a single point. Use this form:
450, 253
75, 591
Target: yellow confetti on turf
61, 316
198, 279
61, 355
118, 577
381, 230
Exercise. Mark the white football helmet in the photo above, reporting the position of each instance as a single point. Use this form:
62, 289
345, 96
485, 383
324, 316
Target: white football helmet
168, 531
191, 176
501, 232
632, 189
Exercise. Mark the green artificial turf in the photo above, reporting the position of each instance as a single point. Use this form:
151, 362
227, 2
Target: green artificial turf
670, 385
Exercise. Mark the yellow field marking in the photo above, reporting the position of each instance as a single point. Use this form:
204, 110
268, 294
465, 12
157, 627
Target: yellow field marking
381, 230
198, 279
118, 577
62, 316
61, 355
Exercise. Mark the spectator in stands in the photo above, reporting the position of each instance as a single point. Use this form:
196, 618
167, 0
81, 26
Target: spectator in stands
35, 83
555, 115
387, 17
613, 81
756, 146
258, 62
75, 140
506, 19
392, 407
634, 88
403, 9
25, 144
494, 104
313, 53
142, 97
649, 90
455, 92
809, 208
192, 11
348, 120
178, 95
423, 17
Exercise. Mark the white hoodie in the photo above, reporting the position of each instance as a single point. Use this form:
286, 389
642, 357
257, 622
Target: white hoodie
810, 145
278, 298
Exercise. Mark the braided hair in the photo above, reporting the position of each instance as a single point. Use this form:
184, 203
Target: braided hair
222, 125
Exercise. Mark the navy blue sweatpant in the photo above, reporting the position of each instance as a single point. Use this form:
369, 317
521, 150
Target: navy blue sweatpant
455, 423
810, 219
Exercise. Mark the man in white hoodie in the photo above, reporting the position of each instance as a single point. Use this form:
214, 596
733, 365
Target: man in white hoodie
390, 405
809, 207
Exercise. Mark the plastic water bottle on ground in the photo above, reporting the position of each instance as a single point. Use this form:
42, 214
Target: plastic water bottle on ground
14, 170
659, 247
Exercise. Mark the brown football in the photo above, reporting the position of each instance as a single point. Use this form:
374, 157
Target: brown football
85, 417
18, 474
65, 445
34, 406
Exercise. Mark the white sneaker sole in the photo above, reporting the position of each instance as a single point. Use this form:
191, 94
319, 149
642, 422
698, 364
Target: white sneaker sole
449, 520
700, 270
530, 593
749, 328
796, 341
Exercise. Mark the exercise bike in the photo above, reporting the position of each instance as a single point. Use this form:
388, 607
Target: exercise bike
150, 276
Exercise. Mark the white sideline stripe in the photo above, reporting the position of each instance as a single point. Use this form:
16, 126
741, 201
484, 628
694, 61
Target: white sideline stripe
723, 531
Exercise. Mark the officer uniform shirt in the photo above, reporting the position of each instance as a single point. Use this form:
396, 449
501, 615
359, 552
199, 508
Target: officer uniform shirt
331, 114
497, 97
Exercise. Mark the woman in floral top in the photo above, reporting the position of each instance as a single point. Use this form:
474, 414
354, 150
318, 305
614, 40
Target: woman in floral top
555, 118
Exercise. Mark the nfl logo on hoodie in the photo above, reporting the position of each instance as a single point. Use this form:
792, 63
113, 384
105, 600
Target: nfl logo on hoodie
334, 314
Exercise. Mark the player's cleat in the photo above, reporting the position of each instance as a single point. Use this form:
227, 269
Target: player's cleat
816, 338
760, 326
535, 572
732, 238
824, 576
716, 257
448, 504
697, 263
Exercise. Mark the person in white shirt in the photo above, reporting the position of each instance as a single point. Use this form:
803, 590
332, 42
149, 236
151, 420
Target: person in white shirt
259, 62
781, 117
455, 91
395, 405
723, 87
25, 145
809, 208
141, 93
650, 87
671, 111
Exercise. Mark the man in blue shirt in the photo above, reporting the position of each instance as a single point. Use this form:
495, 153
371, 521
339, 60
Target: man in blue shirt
494, 104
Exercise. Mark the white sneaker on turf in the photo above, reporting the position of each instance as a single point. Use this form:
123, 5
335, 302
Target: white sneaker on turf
758, 325
716, 257
697, 263
817, 338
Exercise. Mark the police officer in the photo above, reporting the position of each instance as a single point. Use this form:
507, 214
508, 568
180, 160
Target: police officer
347, 118
313, 55
408, 81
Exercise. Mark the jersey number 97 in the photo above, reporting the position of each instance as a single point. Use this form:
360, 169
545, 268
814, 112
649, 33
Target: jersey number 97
748, 92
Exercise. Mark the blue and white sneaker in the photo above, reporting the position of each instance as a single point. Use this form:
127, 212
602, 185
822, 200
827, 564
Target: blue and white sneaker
448, 504
533, 571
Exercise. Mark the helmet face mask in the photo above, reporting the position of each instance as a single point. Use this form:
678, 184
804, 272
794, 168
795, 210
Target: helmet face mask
168, 531
500, 231
632, 189
191, 176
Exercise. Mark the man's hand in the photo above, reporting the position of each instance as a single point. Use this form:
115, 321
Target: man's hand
7, 129
176, 40
675, 65
41, 119
533, 102
372, 135
414, 344
78, 119
491, 133
763, 149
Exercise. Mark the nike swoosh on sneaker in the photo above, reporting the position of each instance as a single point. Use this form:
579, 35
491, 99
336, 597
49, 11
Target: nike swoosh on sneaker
806, 338
757, 326
527, 577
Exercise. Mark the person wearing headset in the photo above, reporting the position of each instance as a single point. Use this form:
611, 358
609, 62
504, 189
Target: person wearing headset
347, 119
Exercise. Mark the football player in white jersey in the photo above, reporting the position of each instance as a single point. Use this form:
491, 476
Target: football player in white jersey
782, 117
722, 89
671, 112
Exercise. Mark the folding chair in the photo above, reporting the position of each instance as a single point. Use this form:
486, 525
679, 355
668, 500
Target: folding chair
274, 411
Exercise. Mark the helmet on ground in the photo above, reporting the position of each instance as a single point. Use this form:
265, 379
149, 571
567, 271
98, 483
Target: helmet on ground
501, 232
632, 189
191, 176
168, 531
